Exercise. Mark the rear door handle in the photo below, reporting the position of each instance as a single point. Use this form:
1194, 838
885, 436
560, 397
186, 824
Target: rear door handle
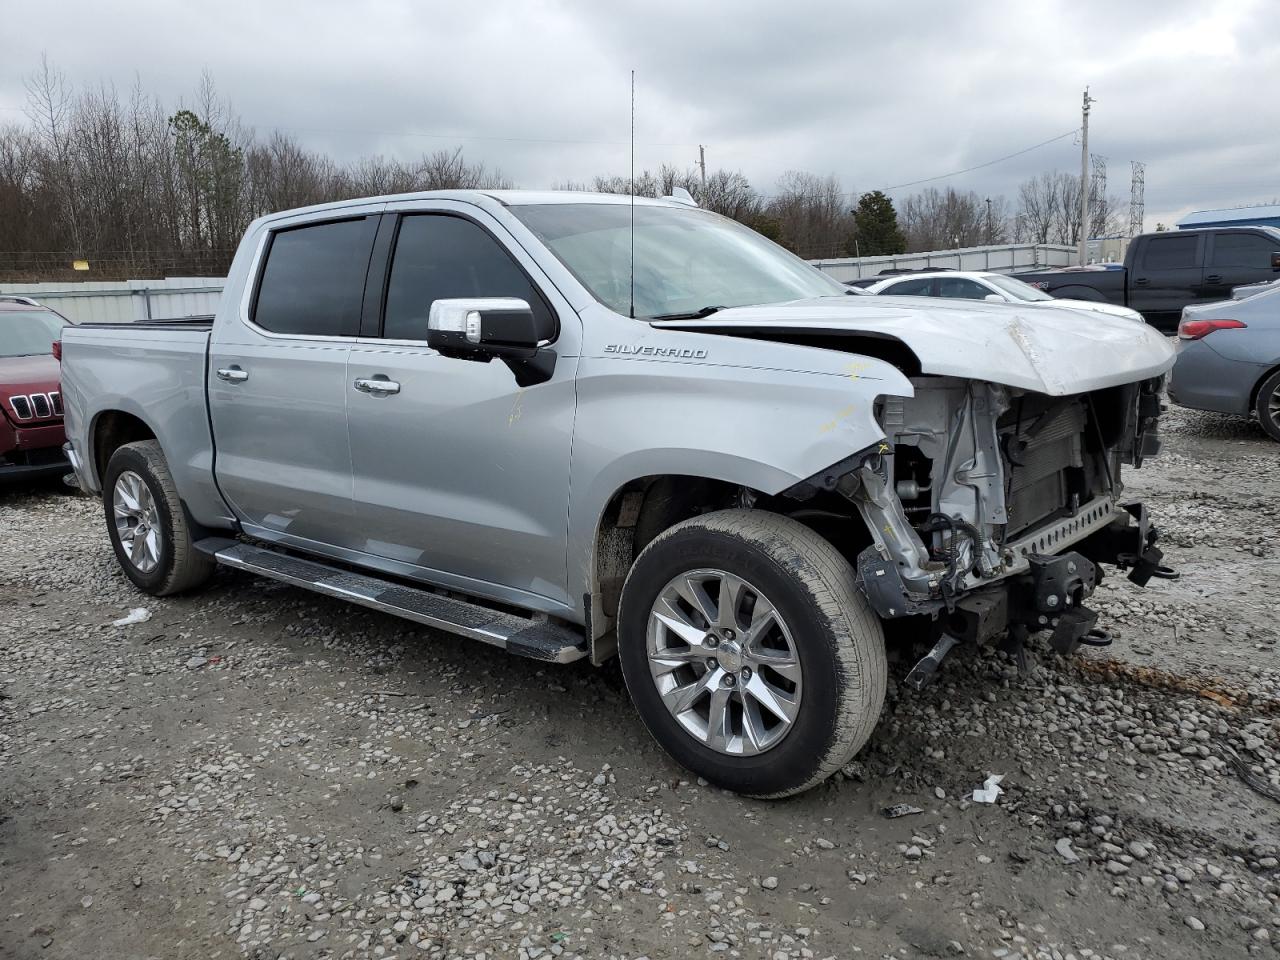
379, 386
1141, 281
233, 374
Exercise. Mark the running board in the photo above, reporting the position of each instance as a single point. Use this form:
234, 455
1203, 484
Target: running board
523, 636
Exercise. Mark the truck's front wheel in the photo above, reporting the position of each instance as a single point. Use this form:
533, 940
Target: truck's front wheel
750, 653
147, 524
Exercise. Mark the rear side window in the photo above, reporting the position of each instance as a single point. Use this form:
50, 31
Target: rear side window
1243, 250
911, 288
313, 280
439, 257
1170, 253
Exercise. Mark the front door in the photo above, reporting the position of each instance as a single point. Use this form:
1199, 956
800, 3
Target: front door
461, 476
278, 384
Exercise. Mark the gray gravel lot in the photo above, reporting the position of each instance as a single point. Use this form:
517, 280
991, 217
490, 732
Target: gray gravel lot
255, 771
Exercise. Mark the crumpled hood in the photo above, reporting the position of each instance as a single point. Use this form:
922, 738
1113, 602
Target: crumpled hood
1048, 350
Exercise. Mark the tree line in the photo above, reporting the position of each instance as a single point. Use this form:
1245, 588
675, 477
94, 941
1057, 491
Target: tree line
142, 189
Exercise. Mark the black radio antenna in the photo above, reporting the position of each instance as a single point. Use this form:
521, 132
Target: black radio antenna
633, 194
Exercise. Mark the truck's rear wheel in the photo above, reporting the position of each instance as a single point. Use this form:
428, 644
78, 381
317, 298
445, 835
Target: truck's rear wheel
750, 653
149, 529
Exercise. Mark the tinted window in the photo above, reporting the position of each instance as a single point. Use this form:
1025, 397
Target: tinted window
443, 258
961, 289
1170, 253
1243, 250
911, 288
313, 282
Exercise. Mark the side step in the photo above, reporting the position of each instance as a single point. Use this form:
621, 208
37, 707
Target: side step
523, 636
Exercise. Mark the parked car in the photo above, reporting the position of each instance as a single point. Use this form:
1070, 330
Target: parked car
481, 412
1167, 271
31, 434
1229, 359
994, 287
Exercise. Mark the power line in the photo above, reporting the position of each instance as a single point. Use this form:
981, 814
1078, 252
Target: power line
989, 163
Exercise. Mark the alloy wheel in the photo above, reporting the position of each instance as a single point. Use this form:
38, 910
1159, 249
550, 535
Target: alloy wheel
137, 521
724, 662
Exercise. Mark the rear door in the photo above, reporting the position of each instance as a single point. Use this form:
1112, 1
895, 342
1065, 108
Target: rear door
1237, 258
1166, 275
461, 476
278, 384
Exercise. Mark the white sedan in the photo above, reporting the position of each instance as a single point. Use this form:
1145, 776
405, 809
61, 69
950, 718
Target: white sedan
980, 285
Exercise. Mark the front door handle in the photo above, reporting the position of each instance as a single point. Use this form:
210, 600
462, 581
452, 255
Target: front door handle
379, 386
1213, 278
233, 374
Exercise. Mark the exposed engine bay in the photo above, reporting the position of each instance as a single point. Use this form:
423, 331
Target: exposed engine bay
991, 508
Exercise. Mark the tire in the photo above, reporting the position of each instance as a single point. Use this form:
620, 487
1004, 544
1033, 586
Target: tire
1268, 405
147, 495
825, 638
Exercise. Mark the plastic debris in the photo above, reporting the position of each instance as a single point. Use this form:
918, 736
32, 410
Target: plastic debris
990, 789
900, 810
136, 615
1063, 846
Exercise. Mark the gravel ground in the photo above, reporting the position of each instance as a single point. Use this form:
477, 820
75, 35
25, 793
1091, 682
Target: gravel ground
253, 771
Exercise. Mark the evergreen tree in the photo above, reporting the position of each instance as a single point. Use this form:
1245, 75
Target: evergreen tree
876, 225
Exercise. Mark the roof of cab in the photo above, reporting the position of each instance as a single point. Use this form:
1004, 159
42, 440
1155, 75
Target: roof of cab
507, 198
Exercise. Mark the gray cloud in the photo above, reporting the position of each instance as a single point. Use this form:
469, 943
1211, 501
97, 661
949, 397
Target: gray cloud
876, 96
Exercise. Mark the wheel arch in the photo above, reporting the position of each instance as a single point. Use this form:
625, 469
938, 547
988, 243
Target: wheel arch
109, 431
639, 510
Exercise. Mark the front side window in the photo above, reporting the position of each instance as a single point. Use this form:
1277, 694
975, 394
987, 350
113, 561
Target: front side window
1170, 253
29, 333
958, 288
1243, 250
439, 257
1018, 289
686, 260
313, 280
911, 288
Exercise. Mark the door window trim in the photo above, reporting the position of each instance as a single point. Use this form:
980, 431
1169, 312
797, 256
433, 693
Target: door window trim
258, 266
387, 261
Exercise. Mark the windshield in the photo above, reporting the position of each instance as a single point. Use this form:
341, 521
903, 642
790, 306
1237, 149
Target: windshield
28, 333
1017, 289
686, 260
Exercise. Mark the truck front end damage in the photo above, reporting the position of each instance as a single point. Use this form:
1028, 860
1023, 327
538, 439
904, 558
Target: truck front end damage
992, 510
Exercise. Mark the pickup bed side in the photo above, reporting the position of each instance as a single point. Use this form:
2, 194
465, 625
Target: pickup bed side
122, 383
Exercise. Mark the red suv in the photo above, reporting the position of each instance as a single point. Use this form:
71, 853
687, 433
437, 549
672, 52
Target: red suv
30, 399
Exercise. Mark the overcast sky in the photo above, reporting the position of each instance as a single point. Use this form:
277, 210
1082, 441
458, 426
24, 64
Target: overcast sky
876, 93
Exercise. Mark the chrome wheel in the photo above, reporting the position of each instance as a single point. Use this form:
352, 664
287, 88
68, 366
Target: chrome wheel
1273, 405
724, 662
137, 521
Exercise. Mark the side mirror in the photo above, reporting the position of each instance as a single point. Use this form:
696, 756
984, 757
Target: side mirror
1275, 262
488, 327
994, 298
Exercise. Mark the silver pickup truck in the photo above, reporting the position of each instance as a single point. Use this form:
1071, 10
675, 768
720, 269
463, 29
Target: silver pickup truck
578, 426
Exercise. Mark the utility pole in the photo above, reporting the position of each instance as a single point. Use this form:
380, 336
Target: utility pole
1084, 181
702, 163
989, 241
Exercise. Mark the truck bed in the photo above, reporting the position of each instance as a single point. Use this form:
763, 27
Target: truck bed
155, 371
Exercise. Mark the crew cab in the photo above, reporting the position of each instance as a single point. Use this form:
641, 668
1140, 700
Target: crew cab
31, 434
580, 426
1166, 271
